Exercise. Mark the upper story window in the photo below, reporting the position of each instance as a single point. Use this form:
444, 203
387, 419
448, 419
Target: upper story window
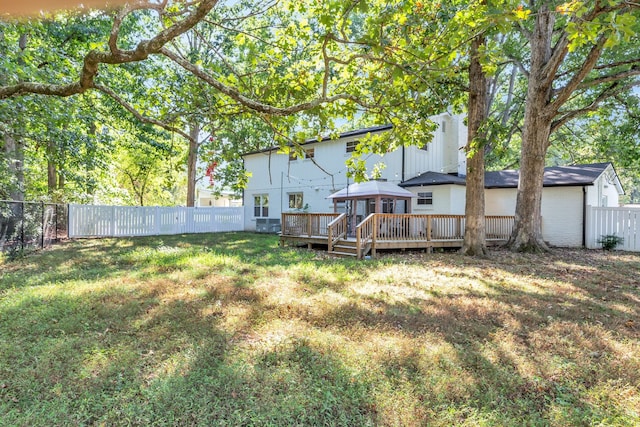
309, 153
425, 198
351, 146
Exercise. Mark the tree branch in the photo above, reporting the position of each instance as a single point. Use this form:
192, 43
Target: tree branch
590, 61
634, 71
611, 91
94, 58
252, 104
107, 91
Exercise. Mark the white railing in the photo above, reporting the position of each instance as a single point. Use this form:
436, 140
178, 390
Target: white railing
128, 221
622, 222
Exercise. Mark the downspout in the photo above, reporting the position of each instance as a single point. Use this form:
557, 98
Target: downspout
244, 206
584, 216
402, 174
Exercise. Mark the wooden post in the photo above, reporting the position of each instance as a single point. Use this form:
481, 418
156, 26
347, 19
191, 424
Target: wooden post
374, 235
429, 234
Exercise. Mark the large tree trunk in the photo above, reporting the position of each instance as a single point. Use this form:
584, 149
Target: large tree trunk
474, 232
527, 230
194, 133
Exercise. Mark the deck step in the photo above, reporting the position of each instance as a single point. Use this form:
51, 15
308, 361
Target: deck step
344, 254
346, 248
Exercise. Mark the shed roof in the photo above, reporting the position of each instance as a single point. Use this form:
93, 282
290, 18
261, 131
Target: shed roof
372, 189
555, 176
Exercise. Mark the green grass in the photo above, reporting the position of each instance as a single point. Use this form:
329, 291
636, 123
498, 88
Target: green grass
230, 329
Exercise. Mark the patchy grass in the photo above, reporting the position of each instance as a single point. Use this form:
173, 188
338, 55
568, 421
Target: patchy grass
229, 329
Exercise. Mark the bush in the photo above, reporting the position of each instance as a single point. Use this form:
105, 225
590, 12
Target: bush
610, 241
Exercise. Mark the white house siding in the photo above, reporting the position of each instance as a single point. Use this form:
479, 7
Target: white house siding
461, 137
458, 198
447, 200
275, 175
443, 152
603, 193
562, 209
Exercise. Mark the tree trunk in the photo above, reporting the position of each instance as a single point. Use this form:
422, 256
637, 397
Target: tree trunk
527, 230
194, 133
14, 151
474, 233
52, 172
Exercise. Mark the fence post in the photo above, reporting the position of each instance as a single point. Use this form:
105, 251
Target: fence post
42, 227
156, 221
22, 227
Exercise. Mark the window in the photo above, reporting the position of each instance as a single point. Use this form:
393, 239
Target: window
310, 153
424, 146
295, 200
351, 146
425, 198
261, 205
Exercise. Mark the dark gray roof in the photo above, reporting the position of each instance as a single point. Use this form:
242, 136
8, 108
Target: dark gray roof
433, 178
554, 176
350, 133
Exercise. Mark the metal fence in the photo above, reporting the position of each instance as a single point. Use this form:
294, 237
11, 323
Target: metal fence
27, 226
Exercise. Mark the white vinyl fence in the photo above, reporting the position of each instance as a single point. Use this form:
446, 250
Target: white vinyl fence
127, 221
622, 222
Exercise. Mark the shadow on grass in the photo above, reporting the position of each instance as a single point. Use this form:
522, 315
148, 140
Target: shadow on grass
154, 351
149, 357
240, 254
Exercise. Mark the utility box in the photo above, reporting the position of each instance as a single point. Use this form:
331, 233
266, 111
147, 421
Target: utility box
268, 225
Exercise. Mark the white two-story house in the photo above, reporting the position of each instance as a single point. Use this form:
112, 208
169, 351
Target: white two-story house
433, 170
281, 182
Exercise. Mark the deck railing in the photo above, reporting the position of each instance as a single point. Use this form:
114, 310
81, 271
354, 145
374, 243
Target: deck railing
306, 224
365, 234
336, 230
447, 227
391, 228
498, 227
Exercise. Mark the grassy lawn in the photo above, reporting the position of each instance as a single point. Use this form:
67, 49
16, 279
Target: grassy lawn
229, 329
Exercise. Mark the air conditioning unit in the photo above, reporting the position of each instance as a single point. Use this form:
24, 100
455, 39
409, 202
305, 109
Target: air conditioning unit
268, 225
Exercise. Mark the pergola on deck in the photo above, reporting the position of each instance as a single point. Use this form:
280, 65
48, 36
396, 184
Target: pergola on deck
385, 231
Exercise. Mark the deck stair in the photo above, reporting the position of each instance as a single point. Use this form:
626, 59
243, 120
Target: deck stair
345, 248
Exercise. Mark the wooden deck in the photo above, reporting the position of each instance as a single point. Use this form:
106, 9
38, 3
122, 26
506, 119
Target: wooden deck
385, 231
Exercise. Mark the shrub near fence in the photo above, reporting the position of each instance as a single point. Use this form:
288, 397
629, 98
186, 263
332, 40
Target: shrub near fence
27, 226
129, 221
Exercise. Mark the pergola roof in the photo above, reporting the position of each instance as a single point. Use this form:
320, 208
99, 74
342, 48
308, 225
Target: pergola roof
372, 189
